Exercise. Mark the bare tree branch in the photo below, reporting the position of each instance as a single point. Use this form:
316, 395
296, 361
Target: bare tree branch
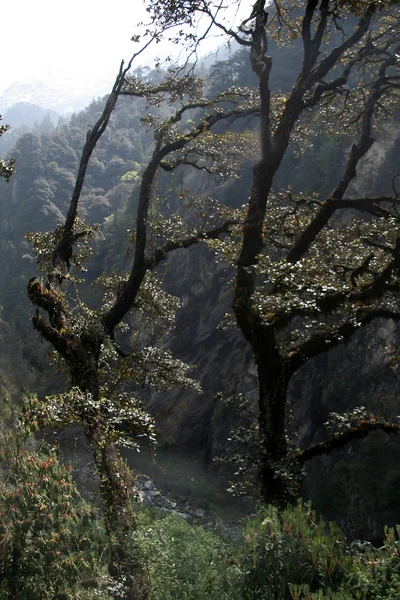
127, 297
341, 440
63, 251
161, 253
334, 336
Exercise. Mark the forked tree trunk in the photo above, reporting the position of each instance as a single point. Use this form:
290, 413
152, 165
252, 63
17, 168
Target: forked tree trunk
116, 484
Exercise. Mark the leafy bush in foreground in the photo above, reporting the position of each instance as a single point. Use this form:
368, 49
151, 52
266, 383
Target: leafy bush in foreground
50, 540
183, 561
294, 556
51, 545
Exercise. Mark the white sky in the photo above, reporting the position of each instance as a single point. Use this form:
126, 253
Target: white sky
74, 38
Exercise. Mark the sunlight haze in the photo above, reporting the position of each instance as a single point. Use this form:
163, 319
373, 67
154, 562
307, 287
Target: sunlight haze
79, 38
79, 41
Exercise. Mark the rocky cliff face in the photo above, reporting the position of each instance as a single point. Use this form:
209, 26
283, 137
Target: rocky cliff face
379, 162
221, 358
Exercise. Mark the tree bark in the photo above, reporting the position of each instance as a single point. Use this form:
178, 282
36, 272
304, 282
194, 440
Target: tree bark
116, 491
273, 384
116, 483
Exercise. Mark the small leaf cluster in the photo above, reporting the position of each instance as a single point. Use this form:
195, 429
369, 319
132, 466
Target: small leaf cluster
222, 153
155, 301
7, 167
44, 244
186, 87
121, 414
339, 422
157, 368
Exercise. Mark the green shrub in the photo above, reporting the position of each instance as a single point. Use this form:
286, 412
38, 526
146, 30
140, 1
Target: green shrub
376, 571
291, 548
184, 561
50, 540
293, 556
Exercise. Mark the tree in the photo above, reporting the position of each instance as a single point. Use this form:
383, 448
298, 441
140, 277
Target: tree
310, 271
104, 379
6, 166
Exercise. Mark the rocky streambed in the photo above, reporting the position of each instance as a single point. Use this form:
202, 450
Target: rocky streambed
151, 497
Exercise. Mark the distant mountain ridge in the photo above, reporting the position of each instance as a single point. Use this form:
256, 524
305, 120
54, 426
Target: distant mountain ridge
27, 114
59, 93
23, 117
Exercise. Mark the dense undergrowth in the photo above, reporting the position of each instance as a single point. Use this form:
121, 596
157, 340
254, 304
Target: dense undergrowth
53, 545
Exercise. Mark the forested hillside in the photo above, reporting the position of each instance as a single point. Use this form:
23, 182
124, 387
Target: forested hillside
186, 353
